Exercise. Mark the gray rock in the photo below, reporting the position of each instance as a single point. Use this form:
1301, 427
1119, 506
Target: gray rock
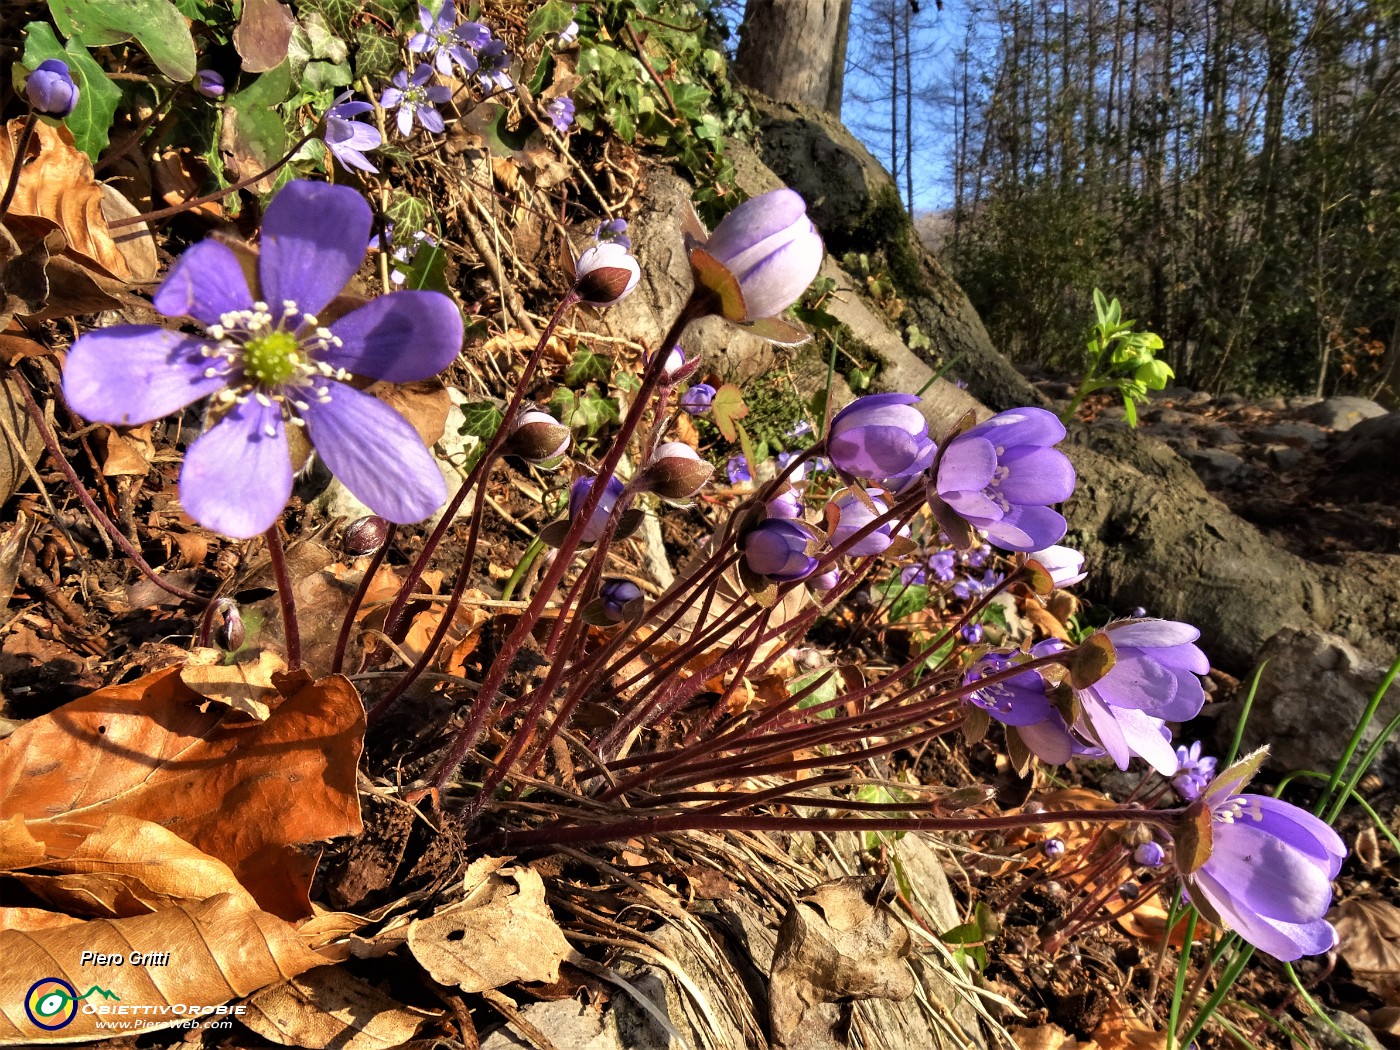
1229, 401
1283, 457
1312, 692
1300, 435
1342, 413
1218, 468
1274, 404
1217, 435
1354, 1032
1363, 461
1303, 401
1195, 399
1168, 416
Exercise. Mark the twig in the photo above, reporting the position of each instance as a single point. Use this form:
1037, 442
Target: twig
97, 513
646, 64
13, 184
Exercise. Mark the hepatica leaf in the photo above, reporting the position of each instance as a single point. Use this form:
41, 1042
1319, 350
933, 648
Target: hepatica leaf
156, 25
98, 97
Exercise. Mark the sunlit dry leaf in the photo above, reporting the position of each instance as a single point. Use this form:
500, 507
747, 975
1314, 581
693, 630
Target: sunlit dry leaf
1049, 1037
124, 868
136, 242
250, 794
327, 1007
18, 848
13, 543
56, 190
245, 686
176, 184
502, 932
217, 951
1120, 1030
34, 919
838, 942
424, 405
126, 454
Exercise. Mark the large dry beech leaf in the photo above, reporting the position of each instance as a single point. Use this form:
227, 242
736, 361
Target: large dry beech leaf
503, 931
57, 190
327, 1007
838, 942
125, 868
254, 795
213, 952
245, 686
1048, 1037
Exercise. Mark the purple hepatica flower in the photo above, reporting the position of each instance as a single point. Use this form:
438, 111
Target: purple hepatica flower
598, 521
777, 549
976, 557
825, 581
698, 399
971, 633
968, 588
1193, 771
561, 113
1149, 855
348, 139
1064, 564
614, 230
270, 362
50, 89
605, 273
854, 516
737, 469
881, 438
209, 83
1152, 681
1001, 477
1269, 874
414, 98
784, 458
940, 564
617, 595
770, 249
1020, 702
447, 41
786, 504
494, 68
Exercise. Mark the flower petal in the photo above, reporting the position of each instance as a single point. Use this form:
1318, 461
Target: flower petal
400, 337
1037, 475
132, 374
1152, 633
313, 241
968, 465
238, 476
205, 283
1021, 426
1301, 830
1267, 875
378, 456
1027, 528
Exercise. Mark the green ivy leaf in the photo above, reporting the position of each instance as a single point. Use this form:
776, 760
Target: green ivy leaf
408, 213
823, 694
481, 419
586, 367
551, 17
428, 271
727, 409
157, 25
376, 53
913, 599
98, 97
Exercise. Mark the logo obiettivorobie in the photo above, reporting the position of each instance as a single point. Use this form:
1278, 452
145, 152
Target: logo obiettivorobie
52, 1002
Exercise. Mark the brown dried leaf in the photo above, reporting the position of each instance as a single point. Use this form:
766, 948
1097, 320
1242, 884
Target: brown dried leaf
176, 184
1049, 1037
327, 1007
126, 454
1370, 942
263, 35
13, 545
125, 868
503, 931
1120, 1030
838, 942
34, 919
18, 848
57, 191
253, 795
217, 951
245, 686
424, 405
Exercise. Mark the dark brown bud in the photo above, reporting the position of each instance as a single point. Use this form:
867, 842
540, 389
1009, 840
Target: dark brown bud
229, 633
365, 535
676, 472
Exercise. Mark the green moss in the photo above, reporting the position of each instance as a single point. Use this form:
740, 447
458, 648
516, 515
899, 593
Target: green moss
886, 227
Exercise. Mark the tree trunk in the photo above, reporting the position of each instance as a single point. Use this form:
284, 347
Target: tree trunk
795, 50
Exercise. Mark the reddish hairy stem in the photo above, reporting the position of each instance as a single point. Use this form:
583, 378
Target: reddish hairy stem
290, 630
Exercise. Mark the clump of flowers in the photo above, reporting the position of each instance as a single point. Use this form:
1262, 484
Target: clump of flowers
348, 139
269, 362
560, 112
447, 42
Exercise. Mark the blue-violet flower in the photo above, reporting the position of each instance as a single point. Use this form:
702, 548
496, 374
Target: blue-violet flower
270, 362
778, 549
880, 437
413, 97
560, 112
348, 139
447, 41
50, 88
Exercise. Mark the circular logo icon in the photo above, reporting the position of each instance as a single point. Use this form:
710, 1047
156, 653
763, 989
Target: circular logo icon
51, 1003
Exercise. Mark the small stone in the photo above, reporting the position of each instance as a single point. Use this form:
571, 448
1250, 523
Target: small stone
1218, 468
1300, 435
1274, 404
1283, 457
1218, 436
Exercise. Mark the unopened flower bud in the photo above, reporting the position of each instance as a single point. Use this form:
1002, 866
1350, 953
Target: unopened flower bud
617, 595
538, 437
605, 273
598, 520
229, 633
1129, 891
786, 504
698, 399
772, 251
1054, 849
365, 535
1149, 855
50, 89
971, 633
1064, 564
209, 83
677, 472
825, 581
